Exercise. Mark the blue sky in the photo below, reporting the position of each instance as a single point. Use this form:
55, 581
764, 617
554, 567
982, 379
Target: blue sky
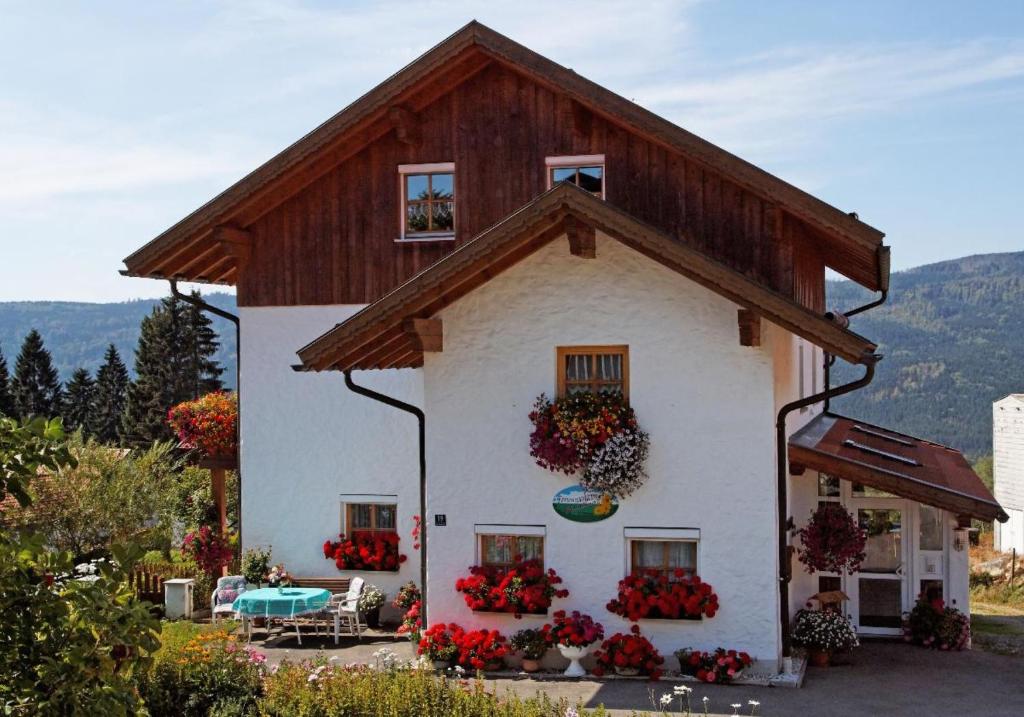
118, 118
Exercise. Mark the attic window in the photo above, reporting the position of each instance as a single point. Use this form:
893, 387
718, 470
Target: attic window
585, 171
600, 369
428, 201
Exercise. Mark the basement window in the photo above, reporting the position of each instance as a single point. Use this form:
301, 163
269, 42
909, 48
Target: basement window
428, 201
585, 171
598, 369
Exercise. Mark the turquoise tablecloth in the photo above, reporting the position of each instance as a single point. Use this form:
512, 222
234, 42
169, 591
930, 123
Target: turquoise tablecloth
284, 602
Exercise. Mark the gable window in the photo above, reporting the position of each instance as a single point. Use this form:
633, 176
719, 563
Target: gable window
662, 551
585, 171
428, 201
368, 514
502, 546
599, 369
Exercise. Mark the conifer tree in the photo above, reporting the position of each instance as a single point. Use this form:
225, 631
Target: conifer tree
204, 344
36, 388
6, 398
111, 395
79, 402
151, 394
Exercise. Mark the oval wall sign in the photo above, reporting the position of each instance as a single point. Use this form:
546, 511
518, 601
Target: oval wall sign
582, 505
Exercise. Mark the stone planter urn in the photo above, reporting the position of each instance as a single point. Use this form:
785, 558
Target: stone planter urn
574, 654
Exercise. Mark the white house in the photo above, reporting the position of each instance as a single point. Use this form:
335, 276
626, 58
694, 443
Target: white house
1008, 469
487, 226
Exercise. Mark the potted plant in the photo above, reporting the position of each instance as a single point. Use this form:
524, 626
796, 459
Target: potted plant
719, 667
533, 643
208, 424
371, 599
933, 624
629, 654
823, 633
438, 644
409, 600
575, 634
279, 578
480, 649
255, 565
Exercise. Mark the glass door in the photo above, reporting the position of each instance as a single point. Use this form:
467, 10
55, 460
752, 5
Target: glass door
879, 591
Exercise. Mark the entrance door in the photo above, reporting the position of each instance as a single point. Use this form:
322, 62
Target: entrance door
878, 594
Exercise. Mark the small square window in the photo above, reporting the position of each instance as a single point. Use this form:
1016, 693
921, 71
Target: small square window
585, 171
664, 557
504, 551
370, 517
599, 369
428, 201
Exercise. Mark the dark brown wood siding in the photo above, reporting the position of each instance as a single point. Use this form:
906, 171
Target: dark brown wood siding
334, 242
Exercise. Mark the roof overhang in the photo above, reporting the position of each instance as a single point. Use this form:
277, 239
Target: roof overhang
190, 250
909, 467
385, 333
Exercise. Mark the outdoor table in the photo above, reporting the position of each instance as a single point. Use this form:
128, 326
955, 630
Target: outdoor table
284, 603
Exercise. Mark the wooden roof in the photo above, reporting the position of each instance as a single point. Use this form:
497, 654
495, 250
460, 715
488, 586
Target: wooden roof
207, 244
381, 335
893, 462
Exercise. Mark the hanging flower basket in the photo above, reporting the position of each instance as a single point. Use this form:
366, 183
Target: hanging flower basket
208, 424
832, 541
595, 435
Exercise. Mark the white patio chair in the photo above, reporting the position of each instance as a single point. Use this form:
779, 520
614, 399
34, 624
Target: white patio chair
346, 607
228, 588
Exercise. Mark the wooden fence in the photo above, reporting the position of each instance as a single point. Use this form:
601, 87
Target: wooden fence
148, 580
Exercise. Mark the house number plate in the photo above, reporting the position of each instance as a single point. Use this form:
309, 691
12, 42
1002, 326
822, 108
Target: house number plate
582, 505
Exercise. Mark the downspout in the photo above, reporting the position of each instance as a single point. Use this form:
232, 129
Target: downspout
420, 416
781, 465
199, 303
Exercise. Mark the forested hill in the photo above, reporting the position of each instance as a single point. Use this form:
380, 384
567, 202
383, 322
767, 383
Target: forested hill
77, 333
952, 335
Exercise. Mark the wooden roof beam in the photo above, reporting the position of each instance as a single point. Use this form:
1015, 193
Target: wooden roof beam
424, 334
408, 128
582, 238
750, 327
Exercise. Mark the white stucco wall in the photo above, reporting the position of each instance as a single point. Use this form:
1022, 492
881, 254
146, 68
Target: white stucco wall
706, 401
1008, 469
306, 440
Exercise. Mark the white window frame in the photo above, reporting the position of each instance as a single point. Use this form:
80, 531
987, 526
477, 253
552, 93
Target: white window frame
577, 160
364, 499
429, 168
661, 535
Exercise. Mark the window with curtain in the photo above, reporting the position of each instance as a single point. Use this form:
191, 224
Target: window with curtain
428, 200
663, 556
370, 517
502, 551
598, 369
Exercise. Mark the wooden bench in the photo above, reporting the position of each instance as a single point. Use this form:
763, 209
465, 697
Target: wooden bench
332, 585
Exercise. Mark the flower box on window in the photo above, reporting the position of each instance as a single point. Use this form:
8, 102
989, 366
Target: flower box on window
655, 595
524, 588
365, 550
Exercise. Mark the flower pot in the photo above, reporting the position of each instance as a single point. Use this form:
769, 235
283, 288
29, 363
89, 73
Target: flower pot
820, 658
530, 665
574, 654
494, 665
440, 664
373, 618
627, 671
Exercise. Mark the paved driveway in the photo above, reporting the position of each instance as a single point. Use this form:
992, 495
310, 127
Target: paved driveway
883, 679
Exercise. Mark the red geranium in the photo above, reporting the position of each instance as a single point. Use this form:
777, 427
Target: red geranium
721, 666
208, 549
575, 630
410, 600
522, 588
650, 594
207, 424
631, 651
365, 550
471, 649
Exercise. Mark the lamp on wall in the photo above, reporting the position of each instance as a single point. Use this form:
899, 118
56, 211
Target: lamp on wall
960, 539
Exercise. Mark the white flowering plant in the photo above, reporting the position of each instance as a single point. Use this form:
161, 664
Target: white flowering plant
824, 630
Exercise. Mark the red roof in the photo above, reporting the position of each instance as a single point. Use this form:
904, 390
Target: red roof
909, 467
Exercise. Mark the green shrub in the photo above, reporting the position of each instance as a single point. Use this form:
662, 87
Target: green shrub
322, 690
200, 671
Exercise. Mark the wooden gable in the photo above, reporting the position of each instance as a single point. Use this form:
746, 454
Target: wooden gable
322, 229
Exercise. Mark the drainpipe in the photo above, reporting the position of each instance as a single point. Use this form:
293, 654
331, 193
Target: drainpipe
233, 318
408, 408
781, 465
